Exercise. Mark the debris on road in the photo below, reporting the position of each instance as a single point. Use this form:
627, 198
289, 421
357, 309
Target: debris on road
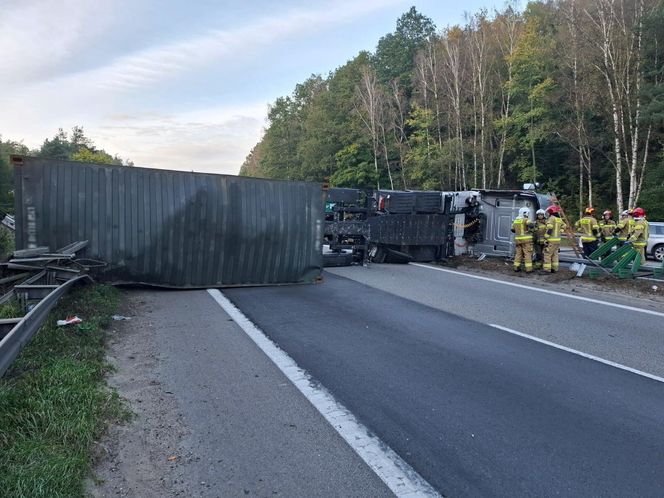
70, 320
119, 318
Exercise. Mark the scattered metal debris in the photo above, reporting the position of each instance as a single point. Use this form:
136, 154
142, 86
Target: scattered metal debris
37, 286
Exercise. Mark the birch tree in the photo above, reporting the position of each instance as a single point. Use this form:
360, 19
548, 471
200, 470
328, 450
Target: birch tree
370, 103
453, 76
509, 28
617, 33
481, 94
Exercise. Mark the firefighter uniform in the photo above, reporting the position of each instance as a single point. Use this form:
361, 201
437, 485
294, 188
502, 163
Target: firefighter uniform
523, 244
589, 229
540, 241
623, 228
554, 227
607, 227
639, 237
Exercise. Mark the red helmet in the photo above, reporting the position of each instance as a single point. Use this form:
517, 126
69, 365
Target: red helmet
609, 212
590, 210
639, 213
553, 209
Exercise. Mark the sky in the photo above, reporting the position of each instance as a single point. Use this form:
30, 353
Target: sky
178, 84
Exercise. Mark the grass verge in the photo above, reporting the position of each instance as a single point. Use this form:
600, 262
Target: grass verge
54, 402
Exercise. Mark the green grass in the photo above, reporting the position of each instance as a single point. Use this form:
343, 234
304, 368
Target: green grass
7, 242
54, 402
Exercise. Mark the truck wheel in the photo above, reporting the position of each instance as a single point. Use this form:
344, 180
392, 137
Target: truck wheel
376, 254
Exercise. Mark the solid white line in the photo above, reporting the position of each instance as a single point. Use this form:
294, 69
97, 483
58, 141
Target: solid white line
400, 477
580, 353
546, 291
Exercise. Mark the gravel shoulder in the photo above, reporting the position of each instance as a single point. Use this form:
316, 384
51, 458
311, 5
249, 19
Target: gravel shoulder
214, 417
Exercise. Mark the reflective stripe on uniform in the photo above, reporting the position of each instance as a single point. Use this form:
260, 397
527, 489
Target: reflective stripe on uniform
520, 227
554, 226
588, 226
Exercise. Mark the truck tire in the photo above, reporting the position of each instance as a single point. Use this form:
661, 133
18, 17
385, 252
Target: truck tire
337, 259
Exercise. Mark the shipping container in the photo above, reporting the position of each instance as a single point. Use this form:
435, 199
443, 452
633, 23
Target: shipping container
172, 228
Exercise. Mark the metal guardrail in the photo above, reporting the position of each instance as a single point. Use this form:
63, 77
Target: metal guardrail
23, 329
45, 277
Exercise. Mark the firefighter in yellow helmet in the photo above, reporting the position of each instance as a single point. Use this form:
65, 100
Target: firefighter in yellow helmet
554, 228
639, 237
607, 225
589, 229
623, 227
539, 241
523, 240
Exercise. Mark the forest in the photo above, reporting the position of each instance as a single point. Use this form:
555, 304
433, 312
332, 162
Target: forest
567, 94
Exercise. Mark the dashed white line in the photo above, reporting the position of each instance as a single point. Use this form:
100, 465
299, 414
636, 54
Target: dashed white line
546, 291
400, 477
577, 352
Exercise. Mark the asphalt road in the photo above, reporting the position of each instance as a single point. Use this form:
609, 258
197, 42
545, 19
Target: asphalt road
616, 334
475, 410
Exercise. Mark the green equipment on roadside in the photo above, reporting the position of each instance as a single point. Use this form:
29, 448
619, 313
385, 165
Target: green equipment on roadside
624, 261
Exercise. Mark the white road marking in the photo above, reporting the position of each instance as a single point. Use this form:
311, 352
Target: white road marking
580, 353
400, 477
546, 291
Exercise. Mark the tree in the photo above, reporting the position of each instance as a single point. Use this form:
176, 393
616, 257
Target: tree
395, 53
481, 96
370, 107
617, 34
509, 25
8, 148
88, 155
565, 88
59, 147
76, 147
531, 88
354, 168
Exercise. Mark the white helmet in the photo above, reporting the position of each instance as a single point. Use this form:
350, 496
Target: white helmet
540, 211
625, 213
524, 212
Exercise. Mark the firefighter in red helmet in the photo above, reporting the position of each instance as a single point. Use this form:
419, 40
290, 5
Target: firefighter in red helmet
641, 232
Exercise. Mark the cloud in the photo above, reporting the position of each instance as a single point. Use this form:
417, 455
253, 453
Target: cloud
212, 140
131, 103
39, 37
146, 67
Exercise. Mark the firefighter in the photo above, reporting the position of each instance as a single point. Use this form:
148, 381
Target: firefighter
554, 227
623, 227
607, 226
523, 240
590, 232
539, 233
640, 234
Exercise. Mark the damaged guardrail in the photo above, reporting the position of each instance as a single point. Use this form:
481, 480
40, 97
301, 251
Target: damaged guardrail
24, 328
43, 279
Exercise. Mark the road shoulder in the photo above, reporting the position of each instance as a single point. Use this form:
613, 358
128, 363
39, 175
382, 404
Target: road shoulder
214, 417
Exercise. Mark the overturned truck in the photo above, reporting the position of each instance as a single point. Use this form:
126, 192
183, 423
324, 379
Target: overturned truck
402, 226
387, 226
